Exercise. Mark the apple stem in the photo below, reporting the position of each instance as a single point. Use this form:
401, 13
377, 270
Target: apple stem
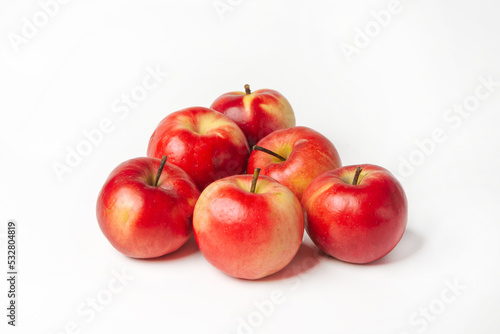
254, 180
162, 164
356, 176
265, 150
247, 89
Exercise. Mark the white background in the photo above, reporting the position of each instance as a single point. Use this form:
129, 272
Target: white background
375, 105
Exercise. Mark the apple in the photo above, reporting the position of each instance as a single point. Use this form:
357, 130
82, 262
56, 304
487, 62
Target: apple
248, 229
257, 113
294, 157
203, 142
356, 214
145, 207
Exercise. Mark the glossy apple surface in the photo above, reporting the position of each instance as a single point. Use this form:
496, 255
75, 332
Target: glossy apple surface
356, 223
142, 220
203, 142
257, 113
307, 152
248, 235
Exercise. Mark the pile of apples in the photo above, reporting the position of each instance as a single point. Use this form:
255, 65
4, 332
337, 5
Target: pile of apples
249, 225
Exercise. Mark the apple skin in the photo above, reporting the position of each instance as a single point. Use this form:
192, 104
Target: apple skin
142, 220
258, 113
356, 223
248, 235
203, 142
308, 154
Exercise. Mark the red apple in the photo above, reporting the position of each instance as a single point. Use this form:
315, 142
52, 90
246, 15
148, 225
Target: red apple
356, 219
145, 210
203, 142
303, 155
244, 233
258, 113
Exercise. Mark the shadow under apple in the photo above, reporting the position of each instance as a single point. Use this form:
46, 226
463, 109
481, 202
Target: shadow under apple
307, 257
410, 243
189, 248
